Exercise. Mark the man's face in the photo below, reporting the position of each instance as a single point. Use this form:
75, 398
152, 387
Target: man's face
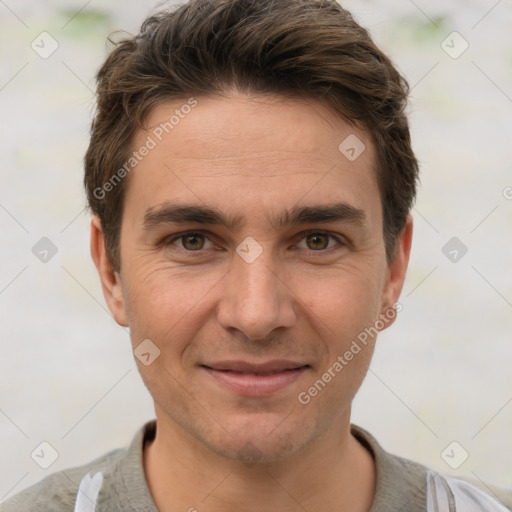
274, 292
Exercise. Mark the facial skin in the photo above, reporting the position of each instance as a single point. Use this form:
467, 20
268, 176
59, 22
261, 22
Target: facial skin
304, 299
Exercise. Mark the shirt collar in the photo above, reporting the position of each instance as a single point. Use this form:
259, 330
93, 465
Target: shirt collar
400, 485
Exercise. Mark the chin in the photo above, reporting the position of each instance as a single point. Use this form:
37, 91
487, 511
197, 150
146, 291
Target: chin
260, 439
256, 451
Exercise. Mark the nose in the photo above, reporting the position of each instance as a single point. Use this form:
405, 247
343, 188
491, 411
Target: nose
255, 299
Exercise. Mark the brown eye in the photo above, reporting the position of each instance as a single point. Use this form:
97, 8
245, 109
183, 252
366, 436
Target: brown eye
321, 242
317, 241
193, 241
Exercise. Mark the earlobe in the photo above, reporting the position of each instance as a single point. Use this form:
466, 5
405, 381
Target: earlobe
397, 268
109, 277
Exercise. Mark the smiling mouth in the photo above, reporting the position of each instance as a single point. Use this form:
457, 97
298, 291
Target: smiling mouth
256, 382
261, 374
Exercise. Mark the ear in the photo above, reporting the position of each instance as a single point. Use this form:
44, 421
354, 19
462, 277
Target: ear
397, 269
110, 278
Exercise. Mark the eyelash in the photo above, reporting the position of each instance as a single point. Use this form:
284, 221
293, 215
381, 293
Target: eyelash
339, 239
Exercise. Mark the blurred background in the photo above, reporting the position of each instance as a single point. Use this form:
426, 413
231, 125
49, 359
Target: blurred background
439, 390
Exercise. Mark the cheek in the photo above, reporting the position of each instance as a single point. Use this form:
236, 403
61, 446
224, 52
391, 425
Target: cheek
161, 301
343, 312
343, 300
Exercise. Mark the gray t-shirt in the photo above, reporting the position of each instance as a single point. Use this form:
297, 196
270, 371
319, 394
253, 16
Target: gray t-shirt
115, 482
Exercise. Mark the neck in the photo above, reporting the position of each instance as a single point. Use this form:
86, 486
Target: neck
334, 473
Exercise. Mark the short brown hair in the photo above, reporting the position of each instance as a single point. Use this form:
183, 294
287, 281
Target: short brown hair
308, 48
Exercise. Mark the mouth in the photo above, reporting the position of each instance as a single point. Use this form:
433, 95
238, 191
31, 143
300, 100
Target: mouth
248, 379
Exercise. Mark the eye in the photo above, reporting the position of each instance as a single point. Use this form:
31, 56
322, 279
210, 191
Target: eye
319, 241
195, 241
191, 241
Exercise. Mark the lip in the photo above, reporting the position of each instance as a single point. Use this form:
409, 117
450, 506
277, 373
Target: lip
250, 379
273, 366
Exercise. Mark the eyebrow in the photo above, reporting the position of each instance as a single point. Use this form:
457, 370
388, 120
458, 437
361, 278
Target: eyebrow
191, 213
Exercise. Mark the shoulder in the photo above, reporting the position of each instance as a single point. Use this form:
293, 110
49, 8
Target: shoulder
403, 484
452, 493
58, 491
443, 491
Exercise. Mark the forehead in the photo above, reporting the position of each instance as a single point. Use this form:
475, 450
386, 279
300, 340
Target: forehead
265, 123
240, 148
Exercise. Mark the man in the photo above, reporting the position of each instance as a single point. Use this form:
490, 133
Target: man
251, 176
